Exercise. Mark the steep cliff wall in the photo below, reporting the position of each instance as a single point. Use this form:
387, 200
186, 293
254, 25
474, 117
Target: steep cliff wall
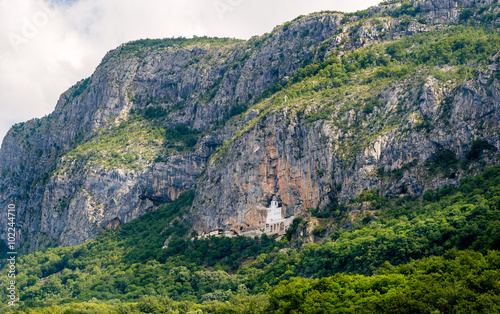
58, 168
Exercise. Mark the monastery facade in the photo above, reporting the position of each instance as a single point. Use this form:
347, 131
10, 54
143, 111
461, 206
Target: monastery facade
275, 222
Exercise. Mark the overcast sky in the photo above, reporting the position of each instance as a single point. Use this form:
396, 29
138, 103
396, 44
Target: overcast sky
46, 46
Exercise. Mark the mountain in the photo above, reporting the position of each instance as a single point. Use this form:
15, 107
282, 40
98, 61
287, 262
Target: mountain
400, 98
376, 132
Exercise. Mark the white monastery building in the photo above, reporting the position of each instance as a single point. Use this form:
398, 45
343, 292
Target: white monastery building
275, 222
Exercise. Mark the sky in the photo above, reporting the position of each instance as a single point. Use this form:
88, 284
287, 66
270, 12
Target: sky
46, 46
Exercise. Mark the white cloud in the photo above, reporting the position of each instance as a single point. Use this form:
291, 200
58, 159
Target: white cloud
47, 46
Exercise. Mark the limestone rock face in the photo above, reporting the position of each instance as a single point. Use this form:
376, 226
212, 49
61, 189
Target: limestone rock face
300, 164
104, 156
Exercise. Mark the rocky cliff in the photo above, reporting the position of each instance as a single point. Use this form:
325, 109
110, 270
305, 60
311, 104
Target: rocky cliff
242, 121
305, 163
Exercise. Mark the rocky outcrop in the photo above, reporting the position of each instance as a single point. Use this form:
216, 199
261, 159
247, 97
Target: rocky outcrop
272, 159
298, 161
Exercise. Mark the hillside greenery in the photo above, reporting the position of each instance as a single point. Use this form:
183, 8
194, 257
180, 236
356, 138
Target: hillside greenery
416, 247
458, 282
127, 146
133, 144
178, 42
137, 48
